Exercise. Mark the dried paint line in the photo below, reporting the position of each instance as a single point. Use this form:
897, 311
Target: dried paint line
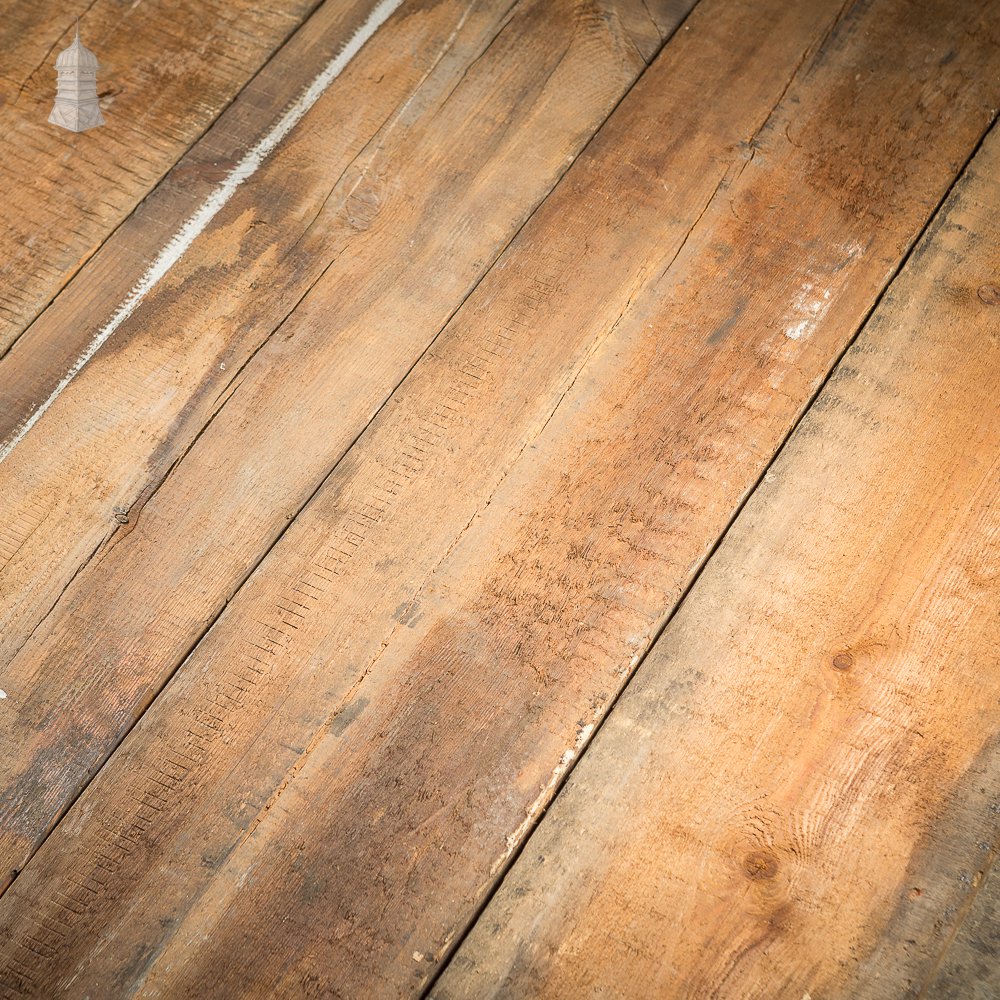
181, 241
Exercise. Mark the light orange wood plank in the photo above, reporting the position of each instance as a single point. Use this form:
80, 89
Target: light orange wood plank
797, 795
515, 95
166, 71
322, 795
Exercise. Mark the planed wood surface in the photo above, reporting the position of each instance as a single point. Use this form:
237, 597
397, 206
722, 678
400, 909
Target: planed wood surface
145, 595
323, 794
797, 795
166, 71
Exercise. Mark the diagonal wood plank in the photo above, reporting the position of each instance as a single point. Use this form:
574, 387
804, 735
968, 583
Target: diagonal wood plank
536, 78
167, 70
346, 223
322, 795
797, 793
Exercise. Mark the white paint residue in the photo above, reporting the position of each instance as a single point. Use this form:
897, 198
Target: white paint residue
514, 839
807, 311
3, 694
181, 241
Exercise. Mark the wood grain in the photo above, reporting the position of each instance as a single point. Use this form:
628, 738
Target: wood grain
797, 795
440, 190
320, 798
275, 243
166, 71
133, 410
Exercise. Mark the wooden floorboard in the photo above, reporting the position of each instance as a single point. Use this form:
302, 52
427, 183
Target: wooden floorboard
826, 701
122, 604
350, 481
167, 70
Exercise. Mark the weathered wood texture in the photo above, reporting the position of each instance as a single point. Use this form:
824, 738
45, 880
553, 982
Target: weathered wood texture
166, 71
440, 190
319, 799
970, 970
797, 795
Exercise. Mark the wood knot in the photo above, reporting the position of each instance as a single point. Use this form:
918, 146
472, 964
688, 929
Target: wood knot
760, 865
990, 294
120, 515
843, 661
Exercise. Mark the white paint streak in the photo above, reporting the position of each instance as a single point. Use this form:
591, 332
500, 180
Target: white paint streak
808, 310
181, 241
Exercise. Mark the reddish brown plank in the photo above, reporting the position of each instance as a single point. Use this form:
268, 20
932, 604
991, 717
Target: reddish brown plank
797, 795
353, 795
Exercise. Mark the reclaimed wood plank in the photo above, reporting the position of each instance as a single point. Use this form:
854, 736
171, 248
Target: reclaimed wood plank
86, 464
797, 795
517, 92
166, 71
320, 798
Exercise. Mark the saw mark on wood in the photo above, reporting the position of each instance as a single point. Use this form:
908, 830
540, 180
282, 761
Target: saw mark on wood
182, 240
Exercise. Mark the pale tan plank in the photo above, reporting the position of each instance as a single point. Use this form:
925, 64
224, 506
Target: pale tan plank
796, 797
359, 793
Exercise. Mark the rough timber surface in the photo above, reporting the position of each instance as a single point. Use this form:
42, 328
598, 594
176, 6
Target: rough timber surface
440, 188
798, 794
166, 71
319, 800
346, 541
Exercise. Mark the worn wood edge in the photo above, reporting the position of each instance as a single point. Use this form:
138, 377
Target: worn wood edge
183, 191
961, 903
80, 581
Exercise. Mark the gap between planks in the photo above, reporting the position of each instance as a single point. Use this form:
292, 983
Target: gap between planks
564, 775
175, 249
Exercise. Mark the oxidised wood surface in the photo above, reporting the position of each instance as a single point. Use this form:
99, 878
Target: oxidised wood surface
353, 531
827, 699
